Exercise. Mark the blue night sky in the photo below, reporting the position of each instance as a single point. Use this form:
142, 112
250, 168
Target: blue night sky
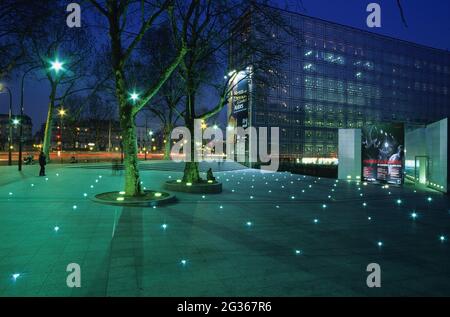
428, 24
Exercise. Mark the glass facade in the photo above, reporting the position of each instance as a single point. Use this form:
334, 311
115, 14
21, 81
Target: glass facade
333, 76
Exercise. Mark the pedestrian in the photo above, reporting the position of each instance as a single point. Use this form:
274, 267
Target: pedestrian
42, 163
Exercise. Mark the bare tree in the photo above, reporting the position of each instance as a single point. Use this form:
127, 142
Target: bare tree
156, 51
166, 110
63, 57
123, 43
219, 26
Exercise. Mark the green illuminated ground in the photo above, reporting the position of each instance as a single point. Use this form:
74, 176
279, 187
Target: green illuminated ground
256, 238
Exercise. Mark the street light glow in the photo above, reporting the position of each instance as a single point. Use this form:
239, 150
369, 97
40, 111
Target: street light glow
134, 96
57, 66
62, 112
16, 121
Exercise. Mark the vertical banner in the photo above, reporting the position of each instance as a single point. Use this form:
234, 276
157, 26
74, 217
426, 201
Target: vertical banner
383, 153
239, 112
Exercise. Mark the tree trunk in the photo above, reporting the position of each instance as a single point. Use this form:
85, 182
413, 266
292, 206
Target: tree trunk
127, 119
49, 125
167, 148
132, 179
191, 171
167, 145
129, 139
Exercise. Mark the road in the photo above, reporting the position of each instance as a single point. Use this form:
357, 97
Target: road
65, 157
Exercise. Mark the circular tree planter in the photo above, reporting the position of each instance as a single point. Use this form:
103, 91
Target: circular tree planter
204, 187
148, 199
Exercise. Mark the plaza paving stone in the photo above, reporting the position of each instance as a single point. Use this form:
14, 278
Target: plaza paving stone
242, 242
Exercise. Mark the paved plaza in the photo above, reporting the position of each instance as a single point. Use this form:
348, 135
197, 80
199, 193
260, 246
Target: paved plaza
267, 234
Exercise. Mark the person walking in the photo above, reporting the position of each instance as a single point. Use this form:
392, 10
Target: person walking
42, 163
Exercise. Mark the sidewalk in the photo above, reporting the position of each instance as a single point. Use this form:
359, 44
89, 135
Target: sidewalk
267, 234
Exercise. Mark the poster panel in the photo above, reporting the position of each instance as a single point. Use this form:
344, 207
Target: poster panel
383, 152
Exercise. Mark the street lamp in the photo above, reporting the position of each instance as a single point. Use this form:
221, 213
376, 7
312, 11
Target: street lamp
61, 114
57, 66
134, 96
145, 137
3, 87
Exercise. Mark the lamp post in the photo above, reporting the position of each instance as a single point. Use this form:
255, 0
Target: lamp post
3, 87
153, 147
61, 114
56, 67
121, 150
22, 114
151, 138
145, 137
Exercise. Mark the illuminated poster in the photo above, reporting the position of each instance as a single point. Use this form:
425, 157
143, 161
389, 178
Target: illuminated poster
240, 102
383, 153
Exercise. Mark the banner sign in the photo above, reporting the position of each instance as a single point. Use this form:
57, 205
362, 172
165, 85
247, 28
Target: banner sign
383, 153
239, 114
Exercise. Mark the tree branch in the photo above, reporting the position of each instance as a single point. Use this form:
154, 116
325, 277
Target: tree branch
399, 4
99, 7
144, 28
152, 91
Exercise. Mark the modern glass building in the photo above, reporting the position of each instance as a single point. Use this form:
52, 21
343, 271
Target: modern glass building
335, 76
